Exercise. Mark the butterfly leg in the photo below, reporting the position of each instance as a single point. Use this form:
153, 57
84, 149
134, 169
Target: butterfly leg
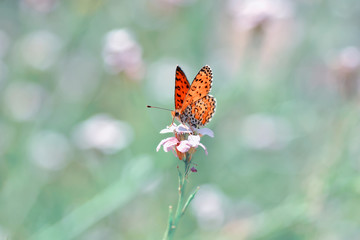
172, 122
188, 126
192, 130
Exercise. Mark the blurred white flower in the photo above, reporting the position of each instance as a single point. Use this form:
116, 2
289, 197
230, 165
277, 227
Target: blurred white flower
24, 100
350, 57
40, 49
104, 133
49, 150
345, 69
122, 53
208, 207
42, 6
251, 13
267, 26
262, 131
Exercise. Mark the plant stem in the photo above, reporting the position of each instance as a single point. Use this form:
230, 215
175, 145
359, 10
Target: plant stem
181, 207
169, 224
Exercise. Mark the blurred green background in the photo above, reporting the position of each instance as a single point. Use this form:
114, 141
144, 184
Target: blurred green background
77, 145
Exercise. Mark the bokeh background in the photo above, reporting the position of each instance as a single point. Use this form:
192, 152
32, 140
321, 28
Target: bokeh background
77, 144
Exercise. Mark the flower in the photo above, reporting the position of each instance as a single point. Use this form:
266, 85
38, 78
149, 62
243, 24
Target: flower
209, 207
192, 142
122, 53
40, 49
251, 14
104, 133
168, 144
41, 6
184, 141
346, 71
265, 132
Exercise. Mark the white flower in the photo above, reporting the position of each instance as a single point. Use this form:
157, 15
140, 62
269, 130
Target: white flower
41, 6
182, 129
122, 53
185, 139
265, 132
40, 49
209, 207
168, 144
104, 133
251, 13
192, 142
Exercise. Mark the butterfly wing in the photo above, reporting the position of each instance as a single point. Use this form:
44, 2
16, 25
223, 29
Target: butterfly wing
207, 105
199, 88
199, 113
182, 86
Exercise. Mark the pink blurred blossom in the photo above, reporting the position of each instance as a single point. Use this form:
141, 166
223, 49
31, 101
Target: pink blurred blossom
41, 6
122, 53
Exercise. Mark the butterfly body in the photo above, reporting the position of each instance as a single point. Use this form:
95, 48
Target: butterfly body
193, 104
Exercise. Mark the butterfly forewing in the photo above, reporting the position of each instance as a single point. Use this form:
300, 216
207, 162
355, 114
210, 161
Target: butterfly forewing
199, 88
181, 88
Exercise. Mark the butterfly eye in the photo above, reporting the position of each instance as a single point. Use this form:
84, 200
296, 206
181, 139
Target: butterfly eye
177, 114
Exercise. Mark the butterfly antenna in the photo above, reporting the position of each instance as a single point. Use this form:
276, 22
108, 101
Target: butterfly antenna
158, 108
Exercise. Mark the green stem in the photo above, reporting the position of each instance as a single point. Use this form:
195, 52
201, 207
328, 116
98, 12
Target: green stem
170, 222
181, 207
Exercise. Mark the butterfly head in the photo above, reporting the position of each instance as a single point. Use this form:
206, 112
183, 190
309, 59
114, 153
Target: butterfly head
175, 115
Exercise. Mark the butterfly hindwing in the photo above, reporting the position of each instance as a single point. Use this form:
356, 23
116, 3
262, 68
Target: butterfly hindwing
181, 87
199, 88
208, 105
199, 113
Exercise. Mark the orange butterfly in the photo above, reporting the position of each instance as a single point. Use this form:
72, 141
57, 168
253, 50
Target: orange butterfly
193, 105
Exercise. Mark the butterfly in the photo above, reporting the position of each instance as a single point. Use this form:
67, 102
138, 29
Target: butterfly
193, 104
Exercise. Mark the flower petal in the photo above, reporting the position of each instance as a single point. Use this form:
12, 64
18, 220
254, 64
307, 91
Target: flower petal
170, 144
202, 145
165, 130
169, 129
165, 141
206, 131
184, 146
161, 143
194, 140
183, 129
